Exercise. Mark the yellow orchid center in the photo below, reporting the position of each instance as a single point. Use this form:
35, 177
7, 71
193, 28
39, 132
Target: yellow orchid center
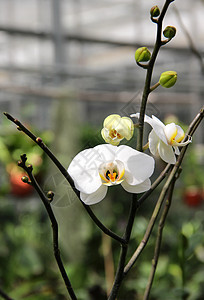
114, 134
111, 177
112, 173
174, 134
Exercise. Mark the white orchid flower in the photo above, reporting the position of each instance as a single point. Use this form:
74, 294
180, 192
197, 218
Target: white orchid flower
165, 139
116, 128
94, 169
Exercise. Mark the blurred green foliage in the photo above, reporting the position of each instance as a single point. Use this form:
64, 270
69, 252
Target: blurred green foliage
13, 144
26, 259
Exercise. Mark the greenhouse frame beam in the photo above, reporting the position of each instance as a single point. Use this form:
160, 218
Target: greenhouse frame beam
81, 38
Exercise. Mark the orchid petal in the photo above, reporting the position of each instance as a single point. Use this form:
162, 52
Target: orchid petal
86, 159
159, 123
146, 118
95, 197
87, 181
166, 153
156, 124
125, 127
153, 142
137, 115
158, 127
110, 120
84, 167
180, 134
139, 188
106, 152
138, 166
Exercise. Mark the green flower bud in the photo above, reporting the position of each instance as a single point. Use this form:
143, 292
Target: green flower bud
155, 11
168, 79
169, 32
142, 54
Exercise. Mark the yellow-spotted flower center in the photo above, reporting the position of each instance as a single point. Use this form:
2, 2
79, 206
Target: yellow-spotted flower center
112, 173
115, 135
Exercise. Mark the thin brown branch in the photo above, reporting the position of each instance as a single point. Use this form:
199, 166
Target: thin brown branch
4, 295
150, 226
64, 172
54, 223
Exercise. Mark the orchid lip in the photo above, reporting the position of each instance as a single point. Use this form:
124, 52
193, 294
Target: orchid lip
112, 173
182, 144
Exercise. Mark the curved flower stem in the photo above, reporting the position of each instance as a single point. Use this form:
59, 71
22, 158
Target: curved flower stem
144, 66
54, 223
64, 172
150, 226
159, 239
119, 274
154, 86
192, 128
147, 88
195, 123
4, 295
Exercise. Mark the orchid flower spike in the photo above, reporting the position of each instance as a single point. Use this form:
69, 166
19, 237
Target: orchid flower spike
116, 128
165, 139
94, 169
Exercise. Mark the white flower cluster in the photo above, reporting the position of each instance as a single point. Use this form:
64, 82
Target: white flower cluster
94, 169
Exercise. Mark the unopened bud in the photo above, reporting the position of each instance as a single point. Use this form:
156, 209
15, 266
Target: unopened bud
25, 179
30, 167
169, 32
168, 79
20, 163
50, 195
155, 11
38, 140
142, 54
